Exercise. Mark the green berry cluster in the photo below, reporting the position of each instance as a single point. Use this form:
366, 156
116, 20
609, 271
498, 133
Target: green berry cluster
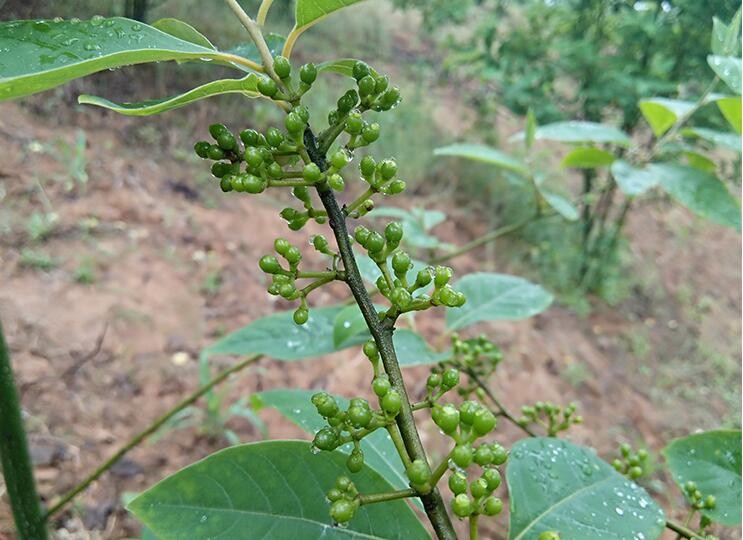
439, 382
630, 463
480, 499
553, 418
697, 499
477, 357
344, 500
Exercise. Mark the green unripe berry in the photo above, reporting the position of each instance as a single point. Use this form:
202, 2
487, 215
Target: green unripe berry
401, 263
370, 132
633, 461
282, 67
301, 315
293, 256
287, 290
690, 486
303, 113
215, 152
433, 381
250, 137
342, 511
226, 141
388, 169
634, 472
238, 182
320, 243
281, 246
458, 483
274, 137
294, 124
401, 297
347, 101
339, 159
500, 454
642, 454
479, 488
418, 472
335, 181
483, 455
462, 505
390, 98
446, 417
442, 276
374, 243
354, 123
226, 183
359, 416
710, 502
493, 506
450, 378
334, 495
462, 455
467, 411
493, 478
355, 461
367, 166
393, 233
302, 193
275, 170
254, 184
360, 70
326, 404
370, 350
618, 465
392, 402
423, 278
361, 234
625, 449
484, 422
381, 84
381, 385
344, 483
267, 87
366, 86
308, 73
201, 148
396, 187
269, 264
326, 439
549, 535
382, 285
311, 173
253, 157
215, 130
219, 169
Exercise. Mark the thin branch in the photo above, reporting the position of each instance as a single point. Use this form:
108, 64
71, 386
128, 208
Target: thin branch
384, 497
502, 410
263, 11
149, 430
257, 36
682, 530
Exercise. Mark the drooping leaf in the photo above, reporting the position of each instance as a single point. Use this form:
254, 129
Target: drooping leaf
279, 337
247, 86
632, 180
480, 152
50, 53
702, 193
663, 113
712, 460
248, 49
496, 297
728, 68
560, 204
558, 486
721, 139
580, 132
184, 31
268, 490
730, 107
588, 158
412, 349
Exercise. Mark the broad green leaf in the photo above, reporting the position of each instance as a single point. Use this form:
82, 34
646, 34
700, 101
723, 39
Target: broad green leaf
580, 132
480, 152
728, 69
631, 180
720, 139
370, 271
248, 49
348, 324
730, 107
184, 31
344, 67
588, 158
558, 486
560, 204
414, 226
700, 161
308, 12
50, 53
267, 490
663, 113
496, 297
246, 86
279, 337
379, 452
412, 349
726, 38
702, 193
712, 460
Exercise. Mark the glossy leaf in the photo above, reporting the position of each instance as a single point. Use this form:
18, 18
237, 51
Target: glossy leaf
248, 49
370, 271
279, 337
415, 224
247, 86
728, 68
588, 158
632, 180
558, 486
726, 38
412, 349
560, 204
480, 152
731, 141
184, 31
309, 12
580, 132
730, 107
496, 297
348, 324
702, 193
663, 113
343, 66
50, 53
268, 490
712, 460
700, 161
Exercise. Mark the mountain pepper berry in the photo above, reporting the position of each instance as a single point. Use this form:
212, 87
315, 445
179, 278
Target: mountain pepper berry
462, 455
294, 124
388, 169
360, 70
462, 505
483, 455
500, 454
393, 233
339, 159
458, 483
392, 402
215, 152
484, 422
335, 181
249, 137
375, 242
326, 439
446, 417
401, 263
269, 264
254, 184
370, 350
493, 506
367, 166
226, 141
267, 87
201, 148
308, 73
479, 488
282, 67
370, 132
342, 511
381, 385
367, 86
493, 478
311, 173
355, 461
450, 378
418, 472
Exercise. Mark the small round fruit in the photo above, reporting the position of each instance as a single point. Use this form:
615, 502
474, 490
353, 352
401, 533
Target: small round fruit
484, 422
396, 187
493, 478
339, 159
367, 85
282, 67
267, 87
225, 184
418, 472
447, 418
250, 137
710, 502
361, 235
308, 73
392, 402
311, 173
370, 132
360, 70
254, 184
483, 455
370, 350
215, 130
479, 488
301, 315
335, 181
388, 168
342, 511
493, 506
354, 123
215, 152
500, 454
467, 411
281, 245
450, 378
458, 483
442, 276
433, 381
462, 505
220, 168
226, 141
269, 264
294, 124
381, 385
274, 137
634, 472
201, 148
381, 84
326, 439
367, 166
355, 461
359, 416
375, 242
334, 495
462, 455
549, 535
625, 449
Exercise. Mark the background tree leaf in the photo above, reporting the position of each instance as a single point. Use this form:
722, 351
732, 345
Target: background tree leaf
560, 204
412, 349
730, 107
663, 113
632, 180
343, 66
349, 323
713, 461
587, 157
268, 490
721, 139
480, 152
496, 297
728, 68
557, 486
580, 132
248, 49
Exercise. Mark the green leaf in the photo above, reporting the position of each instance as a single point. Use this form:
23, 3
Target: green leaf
631, 180
480, 152
308, 12
184, 31
348, 324
726, 38
531, 128
662, 113
496, 297
580, 132
731, 141
379, 452
248, 49
700, 161
50, 53
343, 66
246, 86
560, 204
279, 337
370, 271
730, 107
415, 223
702, 193
412, 349
712, 460
558, 486
588, 157
728, 69
268, 490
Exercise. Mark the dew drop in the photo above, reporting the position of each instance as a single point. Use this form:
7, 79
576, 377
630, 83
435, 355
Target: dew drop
619, 511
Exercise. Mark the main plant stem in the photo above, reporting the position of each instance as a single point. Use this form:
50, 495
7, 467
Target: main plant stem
382, 334
14, 457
